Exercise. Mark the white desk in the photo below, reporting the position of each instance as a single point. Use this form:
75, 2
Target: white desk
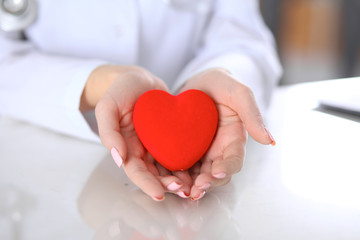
307, 187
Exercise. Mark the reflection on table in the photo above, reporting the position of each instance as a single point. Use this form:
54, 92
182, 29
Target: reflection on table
116, 209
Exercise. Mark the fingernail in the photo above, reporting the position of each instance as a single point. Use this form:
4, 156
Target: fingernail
116, 156
271, 137
159, 199
205, 186
182, 194
198, 197
173, 186
219, 175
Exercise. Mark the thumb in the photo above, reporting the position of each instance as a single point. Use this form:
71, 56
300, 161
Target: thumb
108, 119
250, 115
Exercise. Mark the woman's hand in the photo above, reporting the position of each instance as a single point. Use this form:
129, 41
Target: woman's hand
238, 114
114, 91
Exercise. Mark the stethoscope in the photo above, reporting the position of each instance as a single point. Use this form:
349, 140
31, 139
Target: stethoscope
17, 15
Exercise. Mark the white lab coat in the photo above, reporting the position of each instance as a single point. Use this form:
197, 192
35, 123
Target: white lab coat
41, 79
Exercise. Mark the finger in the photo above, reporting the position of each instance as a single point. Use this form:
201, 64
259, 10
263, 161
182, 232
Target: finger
170, 183
243, 101
180, 186
196, 193
144, 155
195, 170
108, 119
204, 180
152, 169
220, 182
138, 173
184, 176
231, 162
207, 180
162, 170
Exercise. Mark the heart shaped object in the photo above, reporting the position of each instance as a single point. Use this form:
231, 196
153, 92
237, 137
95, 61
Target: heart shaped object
176, 130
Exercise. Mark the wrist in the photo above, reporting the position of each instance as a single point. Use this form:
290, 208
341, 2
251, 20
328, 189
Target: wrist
207, 77
104, 76
96, 85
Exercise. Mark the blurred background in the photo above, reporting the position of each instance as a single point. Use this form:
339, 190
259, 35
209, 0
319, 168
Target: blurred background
317, 39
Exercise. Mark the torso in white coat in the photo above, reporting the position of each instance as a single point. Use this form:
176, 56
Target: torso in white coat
158, 36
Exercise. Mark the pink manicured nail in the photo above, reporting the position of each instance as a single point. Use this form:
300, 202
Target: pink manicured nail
271, 137
116, 156
219, 175
159, 199
198, 197
182, 194
173, 186
205, 186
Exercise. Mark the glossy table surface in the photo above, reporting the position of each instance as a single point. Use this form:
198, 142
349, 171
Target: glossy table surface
307, 187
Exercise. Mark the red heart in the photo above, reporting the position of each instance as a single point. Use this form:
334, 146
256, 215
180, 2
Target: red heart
176, 130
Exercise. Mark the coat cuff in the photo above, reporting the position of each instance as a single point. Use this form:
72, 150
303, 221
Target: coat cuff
84, 124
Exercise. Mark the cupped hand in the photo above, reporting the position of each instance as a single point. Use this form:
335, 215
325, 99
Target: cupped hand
122, 86
238, 115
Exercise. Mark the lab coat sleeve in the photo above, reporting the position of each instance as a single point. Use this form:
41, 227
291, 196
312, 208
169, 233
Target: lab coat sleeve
236, 39
44, 89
